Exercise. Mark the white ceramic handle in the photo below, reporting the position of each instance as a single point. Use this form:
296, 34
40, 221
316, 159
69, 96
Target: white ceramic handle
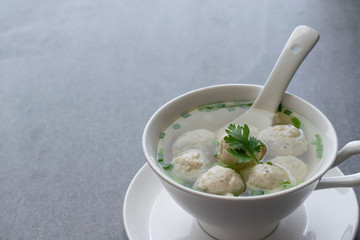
299, 44
351, 180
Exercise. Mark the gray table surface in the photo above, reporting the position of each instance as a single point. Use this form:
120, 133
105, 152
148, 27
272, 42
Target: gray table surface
80, 78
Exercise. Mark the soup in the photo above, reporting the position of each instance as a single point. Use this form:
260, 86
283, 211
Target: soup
242, 161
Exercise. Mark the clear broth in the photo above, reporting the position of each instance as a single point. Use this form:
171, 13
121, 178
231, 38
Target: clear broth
214, 116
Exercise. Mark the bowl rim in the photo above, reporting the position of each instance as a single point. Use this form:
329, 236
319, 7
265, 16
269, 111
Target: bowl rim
315, 177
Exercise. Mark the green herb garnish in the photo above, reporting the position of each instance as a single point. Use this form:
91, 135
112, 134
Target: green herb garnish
162, 135
160, 154
270, 163
256, 192
217, 106
287, 112
176, 126
212, 107
287, 185
164, 165
242, 146
185, 115
249, 104
178, 180
319, 146
215, 153
299, 182
167, 166
296, 122
280, 108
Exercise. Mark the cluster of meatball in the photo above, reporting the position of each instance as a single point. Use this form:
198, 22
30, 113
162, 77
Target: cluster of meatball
194, 161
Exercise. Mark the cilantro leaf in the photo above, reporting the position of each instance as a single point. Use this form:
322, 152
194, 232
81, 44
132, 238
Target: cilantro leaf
241, 145
240, 154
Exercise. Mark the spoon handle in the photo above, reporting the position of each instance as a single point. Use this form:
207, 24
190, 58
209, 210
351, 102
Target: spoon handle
299, 44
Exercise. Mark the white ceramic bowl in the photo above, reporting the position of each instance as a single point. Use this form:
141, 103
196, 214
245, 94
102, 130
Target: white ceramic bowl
252, 217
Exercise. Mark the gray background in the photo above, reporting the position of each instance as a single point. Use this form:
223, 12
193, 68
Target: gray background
80, 78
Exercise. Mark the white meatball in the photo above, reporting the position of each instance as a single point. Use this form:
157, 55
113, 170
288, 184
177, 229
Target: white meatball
220, 180
201, 139
189, 165
265, 176
296, 167
284, 140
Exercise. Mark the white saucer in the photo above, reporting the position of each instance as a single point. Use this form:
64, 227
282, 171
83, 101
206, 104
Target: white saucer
150, 213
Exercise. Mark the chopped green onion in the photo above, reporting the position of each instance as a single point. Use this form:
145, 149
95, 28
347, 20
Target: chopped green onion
185, 115
270, 163
319, 146
167, 166
176, 126
212, 107
296, 122
215, 107
287, 185
287, 112
256, 192
215, 153
178, 180
299, 182
280, 108
162, 135
160, 153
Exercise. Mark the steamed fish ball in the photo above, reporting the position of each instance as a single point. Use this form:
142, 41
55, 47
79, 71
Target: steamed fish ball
265, 176
284, 140
295, 166
189, 165
201, 139
221, 181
